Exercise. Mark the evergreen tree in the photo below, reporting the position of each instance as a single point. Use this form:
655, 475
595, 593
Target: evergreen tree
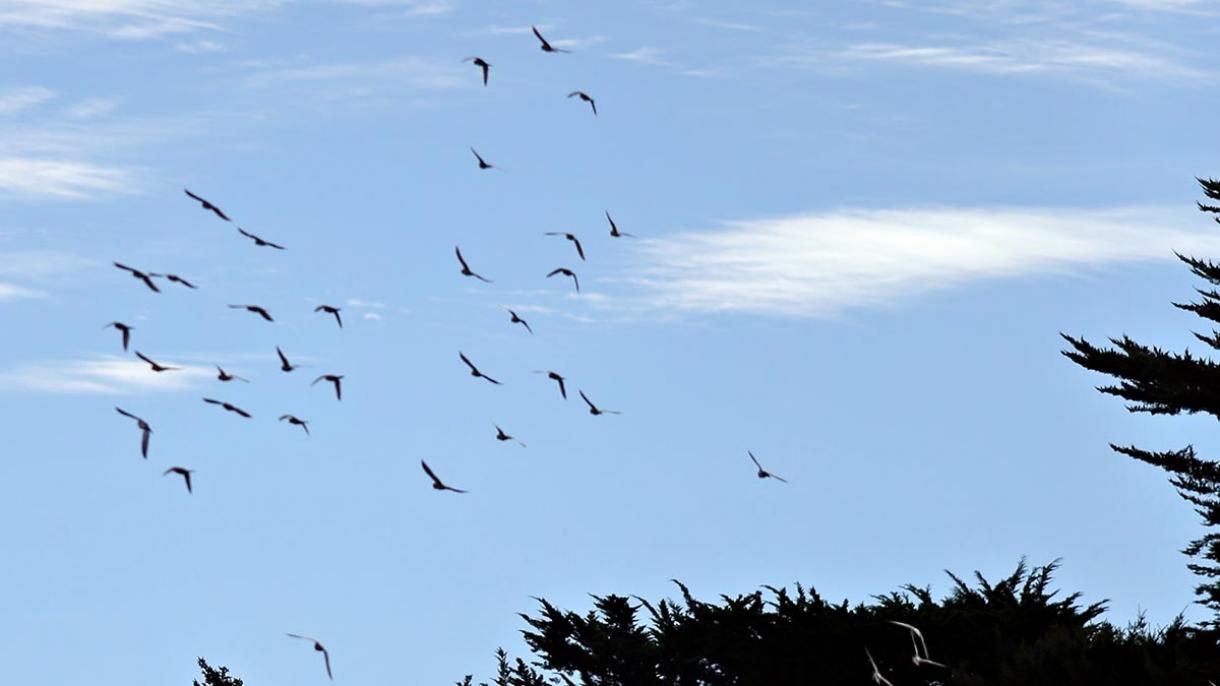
216, 677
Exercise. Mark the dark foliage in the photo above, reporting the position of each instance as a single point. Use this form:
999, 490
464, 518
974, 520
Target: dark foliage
216, 677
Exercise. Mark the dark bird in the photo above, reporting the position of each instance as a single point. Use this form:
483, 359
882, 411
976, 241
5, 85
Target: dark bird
225, 376
481, 63
594, 409
330, 310
186, 475
255, 309
546, 47
474, 371
762, 473
207, 205
466, 268
572, 237
501, 436
296, 421
156, 367
515, 320
284, 365
614, 232
231, 408
584, 96
558, 379
146, 278
566, 272
259, 241
145, 429
436, 482
318, 647
123, 328
336, 379
174, 278
483, 164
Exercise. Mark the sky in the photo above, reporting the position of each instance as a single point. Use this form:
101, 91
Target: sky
861, 227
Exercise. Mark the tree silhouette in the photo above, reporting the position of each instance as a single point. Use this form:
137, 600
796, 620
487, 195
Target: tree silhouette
216, 677
1160, 382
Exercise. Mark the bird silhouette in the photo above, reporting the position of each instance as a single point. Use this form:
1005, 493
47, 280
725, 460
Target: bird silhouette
483, 164
558, 379
156, 366
186, 475
516, 320
585, 96
225, 376
614, 232
259, 241
336, 379
466, 268
474, 371
227, 406
546, 47
145, 429
566, 272
124, 328
143, 276
480, 62
255, 309
917, 660
284, 364
878, 680
330, 310
762, 473
207, 205
317, 646
594, 409
296, 421
436, 482
501, 436
572, 237
174, 278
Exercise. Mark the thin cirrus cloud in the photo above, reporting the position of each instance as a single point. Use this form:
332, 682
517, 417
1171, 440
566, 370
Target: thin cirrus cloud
124, 19
60, 178
14, 100
103, 375
820, 264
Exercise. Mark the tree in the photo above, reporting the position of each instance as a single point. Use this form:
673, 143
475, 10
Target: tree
216, 677
1156, 381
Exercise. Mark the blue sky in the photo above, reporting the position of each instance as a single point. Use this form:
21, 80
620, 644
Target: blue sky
863, 225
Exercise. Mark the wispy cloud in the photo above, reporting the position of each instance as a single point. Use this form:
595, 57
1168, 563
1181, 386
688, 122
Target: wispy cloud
124, 19
820, 264
14, 100
729, 25
91, 108
60, 178
101, 375
40, 267
411, 8
643, 56
10, 291
360, 83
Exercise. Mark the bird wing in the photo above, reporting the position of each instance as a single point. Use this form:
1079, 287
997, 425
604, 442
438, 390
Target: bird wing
220, 214
553, 273
613, 226
315, 381
326, 657
281, 354
576, 281
147, 281
277, 246
125, 413
579, 250
754, 458
338, 389
262, 313
535, 30
247, 234
431, 474
144, 443
593, 104
527, 326
144, 357
562, 389
212, 401
120, 265
455, 490
457, 250
196, 197
184, 282
338, 318
186, 476
468, 362
239, 411
777, 477
587, 401
489, 378
574, 94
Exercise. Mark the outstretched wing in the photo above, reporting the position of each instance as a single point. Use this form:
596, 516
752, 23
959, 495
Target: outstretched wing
755, 459
468, 362
431, 474
587, 401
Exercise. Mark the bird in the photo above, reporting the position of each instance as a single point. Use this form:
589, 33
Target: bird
916, 633
208, 206
186, 475
317, 646
501, 436
466, 268
156, 366
515, 320
546, 47
482, 63
296, 421
139, 275
572, 237
483, 164
762, 473
585, 96
336, 379
558, 379
330, 310
566, 272
877, 678
594, 409
126, 329
474, 371
174, 278
259, 241
225, 376
614, 232
144, 428
436, 482
284, 364
231, 408
255, 309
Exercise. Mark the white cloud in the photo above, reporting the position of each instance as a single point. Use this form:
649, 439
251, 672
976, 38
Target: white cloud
60, 178
124, 19
643, 56
373, 317
820, 264
91, 108
368, 79
10, 291
729, 25
366, 304
102, 375
21, 98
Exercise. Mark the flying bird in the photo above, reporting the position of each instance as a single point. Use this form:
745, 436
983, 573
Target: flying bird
585, 96
466, 268
259, 241
558, 379
762, 473
481, 63
436, 482
546, 47
515, 320
330, 310
255, 309
145, 429
126, 329
174, 278
296, 421
336, 379
186, 475
878, 680
208, 206
225, 376
566, 272
614, 232
594, 409
143, 276
483, 164
156, 366
284, 364
501, 436
231, 408
474, 371
917, 634
319, 648
572, 237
